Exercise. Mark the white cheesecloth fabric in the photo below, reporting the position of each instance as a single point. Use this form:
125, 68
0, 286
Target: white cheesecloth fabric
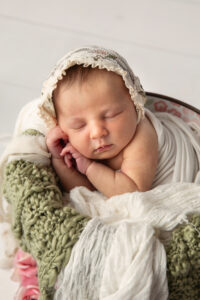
87, 268
134, 266
108, 262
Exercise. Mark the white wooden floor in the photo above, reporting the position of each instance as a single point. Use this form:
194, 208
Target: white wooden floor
160, 39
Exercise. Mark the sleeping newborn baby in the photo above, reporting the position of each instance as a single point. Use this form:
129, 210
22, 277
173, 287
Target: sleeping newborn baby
103, 137
98, 122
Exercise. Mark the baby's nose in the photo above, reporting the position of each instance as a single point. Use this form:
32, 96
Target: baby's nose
97, 131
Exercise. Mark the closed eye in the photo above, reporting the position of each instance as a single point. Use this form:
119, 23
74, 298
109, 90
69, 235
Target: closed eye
112, 115
78, 126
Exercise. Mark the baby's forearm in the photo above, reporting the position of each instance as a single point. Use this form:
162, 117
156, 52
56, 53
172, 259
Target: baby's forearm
108, 181
70, 177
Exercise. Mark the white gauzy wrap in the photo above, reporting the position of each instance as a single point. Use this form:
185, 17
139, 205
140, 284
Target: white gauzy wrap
179, 149
134, 263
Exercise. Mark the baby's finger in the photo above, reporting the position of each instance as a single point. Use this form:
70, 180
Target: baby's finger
66, 149
67, 160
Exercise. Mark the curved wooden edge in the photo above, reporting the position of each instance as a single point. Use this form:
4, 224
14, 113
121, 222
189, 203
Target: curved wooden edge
170, 99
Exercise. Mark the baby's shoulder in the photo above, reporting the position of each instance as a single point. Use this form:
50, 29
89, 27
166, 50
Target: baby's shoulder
145, 139
145, 128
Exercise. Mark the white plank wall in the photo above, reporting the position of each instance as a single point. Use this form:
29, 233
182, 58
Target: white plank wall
160, 40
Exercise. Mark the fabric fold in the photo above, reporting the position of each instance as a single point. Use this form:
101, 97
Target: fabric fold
179, 149
144, 223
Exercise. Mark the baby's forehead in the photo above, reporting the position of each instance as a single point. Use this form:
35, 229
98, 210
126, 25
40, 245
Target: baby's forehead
80, 75
97, 82
99, 87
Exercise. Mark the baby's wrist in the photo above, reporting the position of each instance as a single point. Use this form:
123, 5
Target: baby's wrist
55, 159
89, 168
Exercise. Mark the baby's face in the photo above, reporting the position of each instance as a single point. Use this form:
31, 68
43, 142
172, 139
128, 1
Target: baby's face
98, 115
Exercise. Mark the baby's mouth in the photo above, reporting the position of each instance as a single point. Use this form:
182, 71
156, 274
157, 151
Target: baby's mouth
103, 148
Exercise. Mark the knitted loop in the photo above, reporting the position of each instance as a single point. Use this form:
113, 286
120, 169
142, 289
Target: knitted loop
42, 225
183, 256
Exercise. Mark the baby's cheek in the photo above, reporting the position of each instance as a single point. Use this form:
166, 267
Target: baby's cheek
77, 142
81, 142
84, 149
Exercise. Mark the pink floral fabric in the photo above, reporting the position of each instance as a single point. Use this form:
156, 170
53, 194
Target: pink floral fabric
161, 105
25, 271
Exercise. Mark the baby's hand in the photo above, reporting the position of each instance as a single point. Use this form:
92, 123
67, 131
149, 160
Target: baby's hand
82, 163
56, 140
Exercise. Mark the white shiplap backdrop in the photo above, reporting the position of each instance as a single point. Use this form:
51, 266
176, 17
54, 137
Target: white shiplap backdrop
160, 40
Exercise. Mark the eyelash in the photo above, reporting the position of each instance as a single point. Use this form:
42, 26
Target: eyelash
114, 115
79, 127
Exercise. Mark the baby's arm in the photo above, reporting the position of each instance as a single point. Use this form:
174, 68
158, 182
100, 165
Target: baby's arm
69, 177
103, 178
137, 170
141, 156
138, 167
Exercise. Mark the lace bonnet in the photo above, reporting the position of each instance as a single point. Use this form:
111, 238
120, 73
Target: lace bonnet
96, 57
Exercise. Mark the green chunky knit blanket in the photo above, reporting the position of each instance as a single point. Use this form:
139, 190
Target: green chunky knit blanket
183, 256
42, 225
48, 230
